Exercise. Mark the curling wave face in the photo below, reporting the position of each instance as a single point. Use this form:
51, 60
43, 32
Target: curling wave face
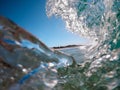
92, 19
26, 63
97, 20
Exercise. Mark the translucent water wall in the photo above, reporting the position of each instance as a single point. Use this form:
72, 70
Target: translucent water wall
28, 64
22, 56
98, 20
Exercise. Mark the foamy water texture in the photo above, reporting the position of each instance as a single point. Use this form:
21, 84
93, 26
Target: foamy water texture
97, 20
94, 67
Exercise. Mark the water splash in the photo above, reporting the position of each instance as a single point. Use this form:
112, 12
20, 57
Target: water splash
88, 18
99, 21
40, 68
31, 58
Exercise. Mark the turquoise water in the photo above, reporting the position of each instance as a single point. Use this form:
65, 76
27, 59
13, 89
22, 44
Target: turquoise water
97, 20
92, 67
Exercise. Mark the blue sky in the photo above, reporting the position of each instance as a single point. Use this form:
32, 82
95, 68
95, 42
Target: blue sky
31, 15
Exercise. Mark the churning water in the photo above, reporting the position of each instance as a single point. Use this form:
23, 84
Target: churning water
97, 20
28, 64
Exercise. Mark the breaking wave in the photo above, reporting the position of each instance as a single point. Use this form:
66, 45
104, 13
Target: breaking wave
97, 20
26, 63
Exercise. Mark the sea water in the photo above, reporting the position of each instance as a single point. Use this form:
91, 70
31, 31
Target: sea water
92, 67
26, 62
97, 20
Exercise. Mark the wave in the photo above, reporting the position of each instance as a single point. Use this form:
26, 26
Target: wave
23, 57
97, 20
27, 63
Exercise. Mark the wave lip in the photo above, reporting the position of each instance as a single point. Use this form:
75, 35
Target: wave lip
87, 18
98, 20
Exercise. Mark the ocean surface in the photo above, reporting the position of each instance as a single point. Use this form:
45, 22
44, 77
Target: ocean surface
99, 21
26, 63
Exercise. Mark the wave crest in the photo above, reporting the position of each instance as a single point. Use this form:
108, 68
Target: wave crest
88, 18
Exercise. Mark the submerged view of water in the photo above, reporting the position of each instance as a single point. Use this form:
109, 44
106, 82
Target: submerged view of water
26, 63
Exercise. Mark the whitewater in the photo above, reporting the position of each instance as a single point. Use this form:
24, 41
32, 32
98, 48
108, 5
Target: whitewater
99, 21
89, 67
